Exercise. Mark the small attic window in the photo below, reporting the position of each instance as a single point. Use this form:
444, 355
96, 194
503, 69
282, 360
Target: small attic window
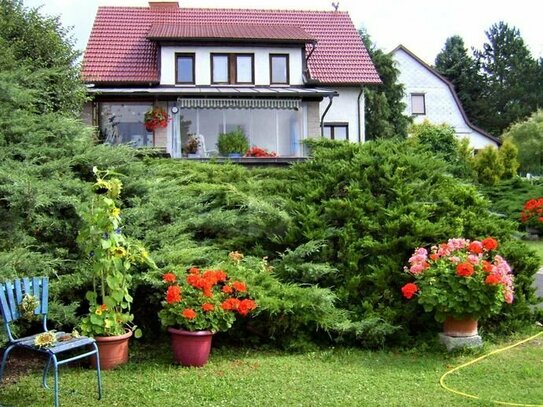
418, 104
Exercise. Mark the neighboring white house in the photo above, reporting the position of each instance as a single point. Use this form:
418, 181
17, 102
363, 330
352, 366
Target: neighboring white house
282, 76
429, 96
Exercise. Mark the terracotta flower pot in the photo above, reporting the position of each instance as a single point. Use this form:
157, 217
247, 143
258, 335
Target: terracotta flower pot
190, 348
113, 350
460, 327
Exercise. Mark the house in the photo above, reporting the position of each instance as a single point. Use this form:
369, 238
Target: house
280, 76
430, 96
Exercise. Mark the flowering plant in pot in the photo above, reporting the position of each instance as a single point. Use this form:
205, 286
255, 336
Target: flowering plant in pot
110, 256
460, 279
197, 304
156, 117
260, 153
532, 214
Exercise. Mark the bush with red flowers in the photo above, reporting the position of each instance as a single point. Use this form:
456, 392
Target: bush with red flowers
199, 300
260, 153
460, 278
155, 117
532, 213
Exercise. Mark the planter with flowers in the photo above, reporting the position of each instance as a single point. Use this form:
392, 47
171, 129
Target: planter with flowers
460, 281
110, 258
198, 304
156, 117
532, 216
260, 152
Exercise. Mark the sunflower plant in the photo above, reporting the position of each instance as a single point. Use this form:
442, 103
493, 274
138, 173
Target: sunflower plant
110, 258
460, 278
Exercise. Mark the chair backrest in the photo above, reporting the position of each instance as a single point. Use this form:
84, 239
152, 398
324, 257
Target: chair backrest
12, 294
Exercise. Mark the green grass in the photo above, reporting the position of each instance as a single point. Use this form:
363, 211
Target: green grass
536, 245
334, 377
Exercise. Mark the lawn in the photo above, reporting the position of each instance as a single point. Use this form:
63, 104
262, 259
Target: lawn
536, 245
333, 377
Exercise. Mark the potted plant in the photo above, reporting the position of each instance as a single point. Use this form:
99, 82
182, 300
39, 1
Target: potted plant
460, 281
260, 152
110, 258
191, 146
532, 216
196, 305
156, 117
233, 144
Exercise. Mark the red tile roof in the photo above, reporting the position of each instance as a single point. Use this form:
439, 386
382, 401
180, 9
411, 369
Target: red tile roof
119, 52
238, 32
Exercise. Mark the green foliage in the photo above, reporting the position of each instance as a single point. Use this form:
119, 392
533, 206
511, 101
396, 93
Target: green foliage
528, 138
384, 107
511, 79
234, 142
508, 156
488, 166
440, 140
371, 205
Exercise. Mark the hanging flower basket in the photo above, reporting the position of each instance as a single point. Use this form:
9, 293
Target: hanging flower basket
155, 118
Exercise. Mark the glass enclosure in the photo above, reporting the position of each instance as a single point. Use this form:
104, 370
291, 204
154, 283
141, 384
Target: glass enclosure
123, 123
275, 130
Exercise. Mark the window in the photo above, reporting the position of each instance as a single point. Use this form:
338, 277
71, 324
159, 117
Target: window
336, 131
184, 68
418, 105
232, 69
279, 72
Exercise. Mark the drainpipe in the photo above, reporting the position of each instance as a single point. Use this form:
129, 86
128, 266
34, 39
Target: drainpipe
359, 115
330, 100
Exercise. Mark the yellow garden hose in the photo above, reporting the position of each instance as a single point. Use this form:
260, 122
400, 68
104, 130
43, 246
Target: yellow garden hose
504, 403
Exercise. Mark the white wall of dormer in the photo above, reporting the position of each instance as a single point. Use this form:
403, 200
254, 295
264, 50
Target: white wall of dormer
203, 63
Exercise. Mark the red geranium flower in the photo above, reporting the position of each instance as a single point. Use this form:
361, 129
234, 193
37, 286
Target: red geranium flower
409, 290
464, 269
169, 278
239, 286
246, 306
194, 270
492, 279
490, 243
487, 266
476, 247
208, 307
227, 289
189, 313
231, 304
173, 294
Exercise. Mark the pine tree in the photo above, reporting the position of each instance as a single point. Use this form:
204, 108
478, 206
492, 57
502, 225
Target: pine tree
511, 79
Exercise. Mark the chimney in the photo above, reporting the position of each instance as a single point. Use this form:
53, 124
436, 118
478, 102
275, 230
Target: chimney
163, 4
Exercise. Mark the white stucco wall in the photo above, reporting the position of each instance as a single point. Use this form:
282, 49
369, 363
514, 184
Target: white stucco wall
203, 63
345, 109
441, 106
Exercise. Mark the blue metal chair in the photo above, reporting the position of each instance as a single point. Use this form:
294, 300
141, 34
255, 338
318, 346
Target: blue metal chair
12, 294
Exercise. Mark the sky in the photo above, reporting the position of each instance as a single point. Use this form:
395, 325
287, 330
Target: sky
420, 25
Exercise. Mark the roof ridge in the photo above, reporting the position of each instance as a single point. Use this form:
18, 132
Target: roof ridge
170, 9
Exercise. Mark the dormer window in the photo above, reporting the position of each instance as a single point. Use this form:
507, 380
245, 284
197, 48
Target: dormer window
279, 72
184, 69
232, 69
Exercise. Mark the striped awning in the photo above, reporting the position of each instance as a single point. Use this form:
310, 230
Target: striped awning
238, 103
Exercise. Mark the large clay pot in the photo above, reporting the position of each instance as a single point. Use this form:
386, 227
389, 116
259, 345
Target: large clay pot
191, 348
113, 350
460, 327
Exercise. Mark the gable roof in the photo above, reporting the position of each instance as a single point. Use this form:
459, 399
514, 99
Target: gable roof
231, 32
452, 90
119, 52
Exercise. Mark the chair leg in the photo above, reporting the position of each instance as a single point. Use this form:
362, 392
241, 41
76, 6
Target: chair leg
4, 360
55, 367
45, 372
98, 375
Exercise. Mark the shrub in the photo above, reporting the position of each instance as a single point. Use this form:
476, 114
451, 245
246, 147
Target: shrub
488, 166
233, 142
528, 137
